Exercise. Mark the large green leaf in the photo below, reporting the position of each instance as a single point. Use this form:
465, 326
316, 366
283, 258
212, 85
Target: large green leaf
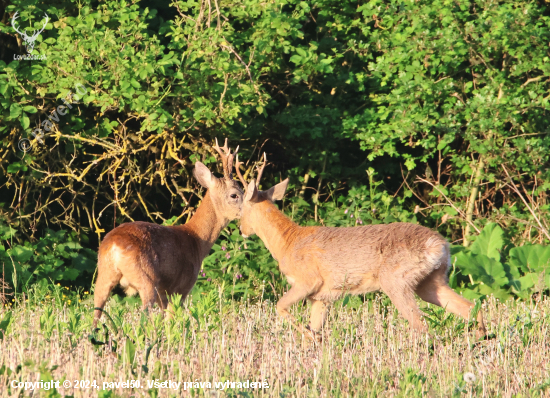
483, 269
25, 121
529, 280
83, 263
70, 274
531, 258
15, 110
524, 286
479, 291
489, 242
21, 254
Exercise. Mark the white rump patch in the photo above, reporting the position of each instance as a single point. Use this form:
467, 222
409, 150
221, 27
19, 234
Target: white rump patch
117, 255
435, 252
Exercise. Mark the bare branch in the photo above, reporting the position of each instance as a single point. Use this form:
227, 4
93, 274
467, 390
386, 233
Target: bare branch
513, 186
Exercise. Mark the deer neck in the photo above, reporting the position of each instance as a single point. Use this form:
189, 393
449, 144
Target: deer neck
206, 225
276, 230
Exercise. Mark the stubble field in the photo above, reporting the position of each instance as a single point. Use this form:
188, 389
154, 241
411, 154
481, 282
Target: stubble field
367, 350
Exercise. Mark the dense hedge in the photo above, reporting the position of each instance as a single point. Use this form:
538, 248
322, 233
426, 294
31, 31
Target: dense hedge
439, 108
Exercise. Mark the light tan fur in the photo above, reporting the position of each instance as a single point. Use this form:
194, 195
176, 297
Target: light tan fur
323, 263
156, 260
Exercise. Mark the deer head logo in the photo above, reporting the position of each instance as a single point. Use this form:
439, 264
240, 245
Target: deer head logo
29, 40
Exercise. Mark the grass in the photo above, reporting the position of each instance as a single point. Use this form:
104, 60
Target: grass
367, 350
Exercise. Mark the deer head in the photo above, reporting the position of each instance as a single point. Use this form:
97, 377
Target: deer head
254, 196
29, 40
225, 192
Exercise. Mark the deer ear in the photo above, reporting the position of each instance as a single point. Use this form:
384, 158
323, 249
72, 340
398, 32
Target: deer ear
277, 192
203, 175
251, 192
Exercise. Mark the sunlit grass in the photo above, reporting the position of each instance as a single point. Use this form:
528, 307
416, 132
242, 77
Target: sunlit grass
367, 349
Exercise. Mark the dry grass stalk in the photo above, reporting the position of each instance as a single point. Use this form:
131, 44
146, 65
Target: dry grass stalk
366, 352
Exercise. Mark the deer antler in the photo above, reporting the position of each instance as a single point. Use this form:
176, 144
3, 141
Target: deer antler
261, 170
241, 178
238, 170
13, 24
35, 35
227, 159
29, 40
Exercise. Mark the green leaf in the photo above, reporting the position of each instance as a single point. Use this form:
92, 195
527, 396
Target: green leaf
6, 232
346, 300
30, 109
296, 59
3, 88
410, 163
73, 245
25, 122
489, 242
482, 268
129, 352
530, 258
15, 110
83, 263
21, 254
529, 280
70, 274
5, 323
17, 166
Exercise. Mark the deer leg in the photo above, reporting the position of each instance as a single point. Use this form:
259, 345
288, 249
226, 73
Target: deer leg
434, 289
148, 294
184, 289
317, 319
162, 300
107, 279
294, 295
402, 296
318, 315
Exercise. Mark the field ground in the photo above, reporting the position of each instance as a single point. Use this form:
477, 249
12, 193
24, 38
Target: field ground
367, 350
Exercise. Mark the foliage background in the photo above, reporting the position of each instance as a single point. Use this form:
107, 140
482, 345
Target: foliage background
433, 112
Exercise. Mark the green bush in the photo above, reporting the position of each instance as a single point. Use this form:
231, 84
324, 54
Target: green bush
57, 257
428, 111
492, 265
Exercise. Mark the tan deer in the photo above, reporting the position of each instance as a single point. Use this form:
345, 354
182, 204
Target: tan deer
156, 260
324, 263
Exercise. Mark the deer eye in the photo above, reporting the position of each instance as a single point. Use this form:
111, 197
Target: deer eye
233, 196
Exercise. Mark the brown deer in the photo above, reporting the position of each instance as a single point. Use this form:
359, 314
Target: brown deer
156, 260
324, 263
